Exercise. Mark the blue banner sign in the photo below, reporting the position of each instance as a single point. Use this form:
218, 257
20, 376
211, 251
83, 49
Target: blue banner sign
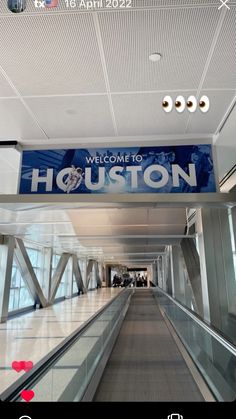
166, 169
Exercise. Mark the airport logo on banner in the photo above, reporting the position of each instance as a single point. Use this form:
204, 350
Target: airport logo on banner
166, 169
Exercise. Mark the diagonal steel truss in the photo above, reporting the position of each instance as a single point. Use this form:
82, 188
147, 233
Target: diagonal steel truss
11, 247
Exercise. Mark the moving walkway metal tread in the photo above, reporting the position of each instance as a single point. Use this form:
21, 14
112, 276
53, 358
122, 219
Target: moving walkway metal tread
145, 363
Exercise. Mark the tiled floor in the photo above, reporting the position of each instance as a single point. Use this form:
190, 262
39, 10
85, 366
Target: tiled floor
31, 336
145, 364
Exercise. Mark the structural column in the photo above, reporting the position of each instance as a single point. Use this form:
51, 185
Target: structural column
232, 278
168, 272
233, 212
154, 275
69, 279
218, 263
47, 271
6, 260
159, 273
192, 264
178, 280
97, 274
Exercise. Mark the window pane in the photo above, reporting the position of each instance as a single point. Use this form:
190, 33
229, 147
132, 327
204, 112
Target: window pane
19, 295
33, 255
25, 298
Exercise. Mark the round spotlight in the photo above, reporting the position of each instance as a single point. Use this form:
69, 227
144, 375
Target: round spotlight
180, 104
204, 104
192, 104
167, 104
155, 57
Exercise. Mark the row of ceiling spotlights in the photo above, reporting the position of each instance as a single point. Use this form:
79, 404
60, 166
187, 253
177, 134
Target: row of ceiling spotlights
191, 104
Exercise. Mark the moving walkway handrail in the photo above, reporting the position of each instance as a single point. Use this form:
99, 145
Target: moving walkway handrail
230, 347
42, 366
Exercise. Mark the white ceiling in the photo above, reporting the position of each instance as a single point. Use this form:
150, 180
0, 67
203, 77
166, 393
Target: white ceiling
115, 233
76, 75
81, 78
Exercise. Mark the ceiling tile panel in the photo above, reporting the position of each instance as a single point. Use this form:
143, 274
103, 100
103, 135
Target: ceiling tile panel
142, 114
82, 116
208, 122
93, 230
5, 88
222, 69
52, 54
167, 216
182, 36
128, 216
15, 121
88, 217
129, 230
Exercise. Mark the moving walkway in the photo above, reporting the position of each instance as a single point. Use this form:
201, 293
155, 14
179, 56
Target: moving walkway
137, 348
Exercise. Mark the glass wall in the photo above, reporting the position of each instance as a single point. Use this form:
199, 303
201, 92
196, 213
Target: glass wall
20, 297
232, 236
44, 263
231, 285
203, 274
93, 280
36, 257
74, 286
82, 266
61, 289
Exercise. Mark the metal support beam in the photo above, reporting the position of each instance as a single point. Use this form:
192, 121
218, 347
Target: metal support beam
84, 271
159, 273
77, 274
98, 279
47, 270
103, 272
192, 263
56, 279
108, 281
164, 265
28, 273
183, 200
233, 211
88, 272
69, 278
172, 275
168, 272
6, 260
154, 273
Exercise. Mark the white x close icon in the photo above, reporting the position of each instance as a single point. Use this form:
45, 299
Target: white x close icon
224, 4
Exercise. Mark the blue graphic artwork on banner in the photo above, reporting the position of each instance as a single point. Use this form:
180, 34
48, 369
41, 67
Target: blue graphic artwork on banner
163, 169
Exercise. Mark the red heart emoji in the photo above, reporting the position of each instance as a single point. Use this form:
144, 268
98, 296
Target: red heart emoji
16, 366
27, 395
28, 365
22, 365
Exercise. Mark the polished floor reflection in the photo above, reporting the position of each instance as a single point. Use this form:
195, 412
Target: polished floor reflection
33, 335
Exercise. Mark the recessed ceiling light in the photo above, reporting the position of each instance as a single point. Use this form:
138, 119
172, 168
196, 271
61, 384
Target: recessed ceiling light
155, 57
